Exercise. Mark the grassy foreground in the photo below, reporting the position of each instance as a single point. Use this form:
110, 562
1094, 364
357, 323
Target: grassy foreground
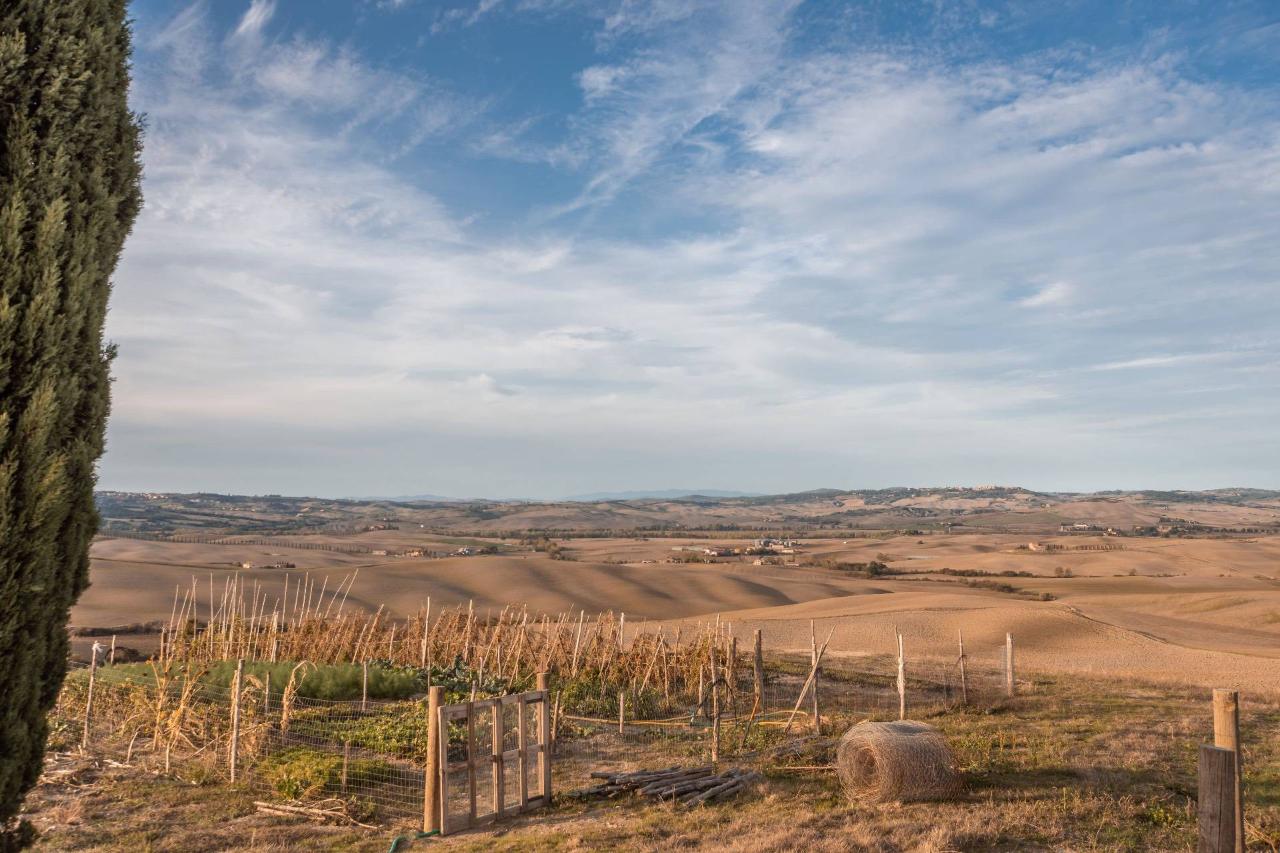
1072, 764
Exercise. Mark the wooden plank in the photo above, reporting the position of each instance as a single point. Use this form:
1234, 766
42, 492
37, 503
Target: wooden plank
1217, 783
445, 825
499, 765
544, 746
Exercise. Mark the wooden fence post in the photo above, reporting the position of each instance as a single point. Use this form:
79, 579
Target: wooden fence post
544, 735
235, 717
1217, 783
431, 794
964, 682
88, 702
759, 671
1008, 666
622, 710
902, 681
111, 656
346, 759
1226, 735
266, 692
364, 686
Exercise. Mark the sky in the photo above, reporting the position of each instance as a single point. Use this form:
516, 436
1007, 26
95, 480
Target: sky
531, 248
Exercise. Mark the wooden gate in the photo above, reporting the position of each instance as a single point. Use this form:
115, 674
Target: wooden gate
510, 750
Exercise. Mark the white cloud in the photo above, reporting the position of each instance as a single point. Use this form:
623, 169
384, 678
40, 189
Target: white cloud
1163, 361
254, 19
1054, 293
854, 288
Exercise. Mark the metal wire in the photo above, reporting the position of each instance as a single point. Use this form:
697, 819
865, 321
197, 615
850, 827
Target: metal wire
372, 754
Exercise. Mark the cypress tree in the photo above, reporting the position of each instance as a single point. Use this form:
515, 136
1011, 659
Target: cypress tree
69, 192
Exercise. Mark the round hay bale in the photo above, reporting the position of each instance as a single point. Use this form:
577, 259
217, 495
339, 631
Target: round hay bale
903, 761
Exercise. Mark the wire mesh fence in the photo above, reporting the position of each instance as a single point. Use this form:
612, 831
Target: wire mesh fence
371, 754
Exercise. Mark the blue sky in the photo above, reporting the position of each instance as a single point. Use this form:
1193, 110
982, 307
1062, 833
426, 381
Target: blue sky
542, 247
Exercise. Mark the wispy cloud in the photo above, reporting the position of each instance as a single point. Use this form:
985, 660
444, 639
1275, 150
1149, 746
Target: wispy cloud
1054, 293
254, 19
1164, 361
810, 266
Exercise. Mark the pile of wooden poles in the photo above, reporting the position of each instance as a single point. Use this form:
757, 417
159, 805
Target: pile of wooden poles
690, 785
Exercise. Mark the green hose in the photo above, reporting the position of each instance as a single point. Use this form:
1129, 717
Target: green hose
395, 843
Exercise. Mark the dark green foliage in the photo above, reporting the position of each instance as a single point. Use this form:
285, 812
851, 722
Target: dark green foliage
328, 681
592, 696
342, 681
69, 192
299, 773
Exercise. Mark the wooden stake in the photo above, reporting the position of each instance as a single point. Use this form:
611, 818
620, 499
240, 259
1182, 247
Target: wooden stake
715, 712
1226, 735
111, 656
964, 682
902, 681
346, 759
426, 634
364, 686
731, 666
1217, 784
714, 720
758, 673
573, 666
622, 711
817, 674
431, 807
88, 702
275, 635
1008, 666
805, 689
235, 717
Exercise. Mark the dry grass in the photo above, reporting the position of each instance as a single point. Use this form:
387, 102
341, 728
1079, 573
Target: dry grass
1074, 764
84, 806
